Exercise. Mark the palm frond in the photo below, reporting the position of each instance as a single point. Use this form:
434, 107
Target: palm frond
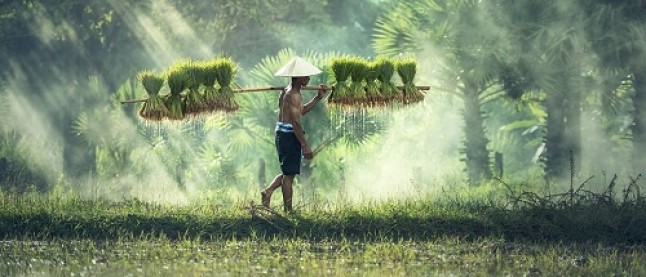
396, 32
264, 71
127, 90
357, 127
260, 110
210, 155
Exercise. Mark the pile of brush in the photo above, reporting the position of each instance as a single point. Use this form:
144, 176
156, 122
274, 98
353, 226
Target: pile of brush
196, 87
363, 83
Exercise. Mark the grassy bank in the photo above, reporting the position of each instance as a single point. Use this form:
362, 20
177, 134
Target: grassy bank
522, 217
518, 233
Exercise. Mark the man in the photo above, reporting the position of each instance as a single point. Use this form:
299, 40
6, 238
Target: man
291, 144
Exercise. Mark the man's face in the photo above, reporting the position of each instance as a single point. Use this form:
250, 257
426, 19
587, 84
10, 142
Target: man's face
305, 80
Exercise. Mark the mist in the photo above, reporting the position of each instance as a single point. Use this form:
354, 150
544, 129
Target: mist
64, 128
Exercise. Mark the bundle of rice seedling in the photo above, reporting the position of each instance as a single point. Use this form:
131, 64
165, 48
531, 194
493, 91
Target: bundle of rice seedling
226, 71
372, 87
177, 82
194, 103
210, 91
386, 70
406, 69
341, 68
154, 107
357, 94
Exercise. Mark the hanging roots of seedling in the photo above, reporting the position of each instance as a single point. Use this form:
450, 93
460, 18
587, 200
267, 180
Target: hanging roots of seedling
226, 71
406, 69
177, 82
154, 107
193, 102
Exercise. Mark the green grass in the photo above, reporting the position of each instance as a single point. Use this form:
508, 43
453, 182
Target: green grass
576, 233
279, 256
45, 217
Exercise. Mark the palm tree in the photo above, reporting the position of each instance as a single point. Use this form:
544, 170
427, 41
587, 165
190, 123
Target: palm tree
548, 36
617, 37
469, 63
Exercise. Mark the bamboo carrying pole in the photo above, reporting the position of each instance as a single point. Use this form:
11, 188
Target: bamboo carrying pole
244, 90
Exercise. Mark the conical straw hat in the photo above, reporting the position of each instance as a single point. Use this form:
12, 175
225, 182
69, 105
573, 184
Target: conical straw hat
297, 67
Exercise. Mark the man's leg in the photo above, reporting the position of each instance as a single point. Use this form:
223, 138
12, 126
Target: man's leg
287, 192
269, 190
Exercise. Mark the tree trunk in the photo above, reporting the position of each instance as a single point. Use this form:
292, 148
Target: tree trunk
475, 144
556, 153
639, 121
563, 124
572, 121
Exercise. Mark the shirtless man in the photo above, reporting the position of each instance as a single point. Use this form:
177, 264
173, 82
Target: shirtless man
290, 139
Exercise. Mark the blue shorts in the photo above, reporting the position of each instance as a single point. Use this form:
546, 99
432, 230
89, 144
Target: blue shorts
289, 152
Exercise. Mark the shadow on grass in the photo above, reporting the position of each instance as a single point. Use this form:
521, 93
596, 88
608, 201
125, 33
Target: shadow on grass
613, 224
577, 215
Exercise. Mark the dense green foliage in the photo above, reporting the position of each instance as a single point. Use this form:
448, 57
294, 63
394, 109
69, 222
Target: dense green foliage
540, 50
71, 44
549, 87
540, 83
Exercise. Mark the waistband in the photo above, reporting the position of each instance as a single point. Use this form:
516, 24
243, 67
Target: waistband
284, 127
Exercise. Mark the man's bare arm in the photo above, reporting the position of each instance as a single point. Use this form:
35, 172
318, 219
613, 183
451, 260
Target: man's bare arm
310, 105
295, 110
280, 105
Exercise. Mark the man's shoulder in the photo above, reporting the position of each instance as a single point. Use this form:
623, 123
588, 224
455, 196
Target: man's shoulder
293, 93
292, 90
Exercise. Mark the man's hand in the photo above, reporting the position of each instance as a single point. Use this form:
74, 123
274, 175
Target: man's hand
307, 152
321, 91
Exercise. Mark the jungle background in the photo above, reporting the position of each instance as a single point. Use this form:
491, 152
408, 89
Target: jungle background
530, 92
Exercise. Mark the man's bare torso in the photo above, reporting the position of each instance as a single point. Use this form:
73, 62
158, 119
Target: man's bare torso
290, 100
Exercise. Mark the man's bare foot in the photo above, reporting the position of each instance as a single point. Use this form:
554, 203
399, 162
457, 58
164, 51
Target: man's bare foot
266, 198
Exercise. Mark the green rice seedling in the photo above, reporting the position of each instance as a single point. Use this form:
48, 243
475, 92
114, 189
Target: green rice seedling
154, 107
177, 82
386, 70
209, 81
406, 69
357, 95
341, 69
219, 101
193, 102
372, 87
226, 71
